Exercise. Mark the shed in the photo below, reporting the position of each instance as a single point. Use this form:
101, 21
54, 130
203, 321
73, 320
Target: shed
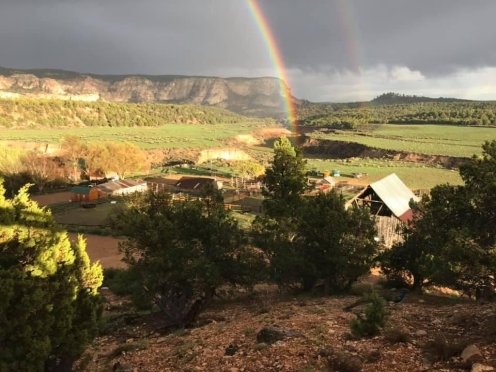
84, 194
121, 187
389, 201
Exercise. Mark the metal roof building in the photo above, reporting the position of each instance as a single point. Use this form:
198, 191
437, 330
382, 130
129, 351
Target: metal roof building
387, 197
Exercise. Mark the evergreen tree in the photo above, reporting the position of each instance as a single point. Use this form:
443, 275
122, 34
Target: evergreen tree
49, 304
184, 250
314, 239
285, 180
452, 238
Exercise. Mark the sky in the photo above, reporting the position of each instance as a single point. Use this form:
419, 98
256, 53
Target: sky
333, 50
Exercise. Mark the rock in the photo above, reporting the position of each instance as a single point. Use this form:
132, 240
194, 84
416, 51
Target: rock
421, 333
477, 367
471, 354
231, 350
269, 335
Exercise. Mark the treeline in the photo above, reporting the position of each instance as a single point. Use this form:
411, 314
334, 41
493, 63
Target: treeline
76, 161
57, 113
350, 116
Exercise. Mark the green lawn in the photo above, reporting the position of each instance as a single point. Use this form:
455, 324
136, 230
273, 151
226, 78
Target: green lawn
425, 139
166, 136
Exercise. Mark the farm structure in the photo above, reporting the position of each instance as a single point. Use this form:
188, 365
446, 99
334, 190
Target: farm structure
389, 202
121, 187
325, 184
84, 194
195, 185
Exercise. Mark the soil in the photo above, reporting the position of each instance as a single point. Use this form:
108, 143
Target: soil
53, 198
138, 343
104, 249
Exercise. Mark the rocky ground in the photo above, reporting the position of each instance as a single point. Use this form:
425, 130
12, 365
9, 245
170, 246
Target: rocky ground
303, 333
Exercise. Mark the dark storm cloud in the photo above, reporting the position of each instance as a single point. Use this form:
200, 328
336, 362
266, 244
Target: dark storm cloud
426, 35
326, 44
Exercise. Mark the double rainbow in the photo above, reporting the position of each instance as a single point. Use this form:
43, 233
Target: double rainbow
277, 60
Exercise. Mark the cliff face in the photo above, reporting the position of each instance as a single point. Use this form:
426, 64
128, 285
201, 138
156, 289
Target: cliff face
248, 96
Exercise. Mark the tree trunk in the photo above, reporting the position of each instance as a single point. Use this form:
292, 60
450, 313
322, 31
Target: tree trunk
60, 364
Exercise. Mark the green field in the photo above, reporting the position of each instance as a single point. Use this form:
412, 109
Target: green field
416, 176
424, 139
166, 136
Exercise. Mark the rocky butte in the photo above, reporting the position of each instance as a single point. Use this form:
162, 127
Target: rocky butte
248, 96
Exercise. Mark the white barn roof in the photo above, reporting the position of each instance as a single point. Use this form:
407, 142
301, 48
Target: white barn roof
394, 193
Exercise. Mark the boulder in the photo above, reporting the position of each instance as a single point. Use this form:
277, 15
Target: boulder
478, 367
471, 354
269, 335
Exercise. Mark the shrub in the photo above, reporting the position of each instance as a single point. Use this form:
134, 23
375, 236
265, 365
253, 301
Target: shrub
374, 320
397, 334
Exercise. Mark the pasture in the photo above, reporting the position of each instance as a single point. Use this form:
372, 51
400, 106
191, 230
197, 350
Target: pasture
166, 136
423, 139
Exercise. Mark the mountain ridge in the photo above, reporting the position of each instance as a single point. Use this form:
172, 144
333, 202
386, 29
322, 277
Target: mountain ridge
260, 96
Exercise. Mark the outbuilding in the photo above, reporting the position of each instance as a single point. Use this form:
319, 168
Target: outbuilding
84, 194
389, 202
121, 187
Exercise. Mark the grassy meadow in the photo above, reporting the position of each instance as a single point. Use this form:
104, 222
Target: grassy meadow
423, 138
166, 136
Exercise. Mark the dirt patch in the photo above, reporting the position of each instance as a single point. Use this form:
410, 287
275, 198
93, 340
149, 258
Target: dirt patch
267, 133
104, 249
54, 198
344, 150
247, 139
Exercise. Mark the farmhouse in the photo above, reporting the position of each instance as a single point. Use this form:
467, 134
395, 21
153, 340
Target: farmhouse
84, 194
389, 201
121, 187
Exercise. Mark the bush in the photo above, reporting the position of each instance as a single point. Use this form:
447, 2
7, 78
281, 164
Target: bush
128, 282
374, 320
397, 335
441, 348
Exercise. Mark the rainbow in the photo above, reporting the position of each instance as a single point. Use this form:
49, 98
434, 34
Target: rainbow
277, 60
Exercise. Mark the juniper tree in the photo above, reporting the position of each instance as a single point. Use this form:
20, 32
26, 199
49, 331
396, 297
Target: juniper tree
183, 251
49, 304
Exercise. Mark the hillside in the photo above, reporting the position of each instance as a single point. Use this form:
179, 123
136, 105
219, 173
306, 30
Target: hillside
398, 110
32, 113
396, 98
248, 96
424, 333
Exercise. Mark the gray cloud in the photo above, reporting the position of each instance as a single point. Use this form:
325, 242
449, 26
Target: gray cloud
322, 41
